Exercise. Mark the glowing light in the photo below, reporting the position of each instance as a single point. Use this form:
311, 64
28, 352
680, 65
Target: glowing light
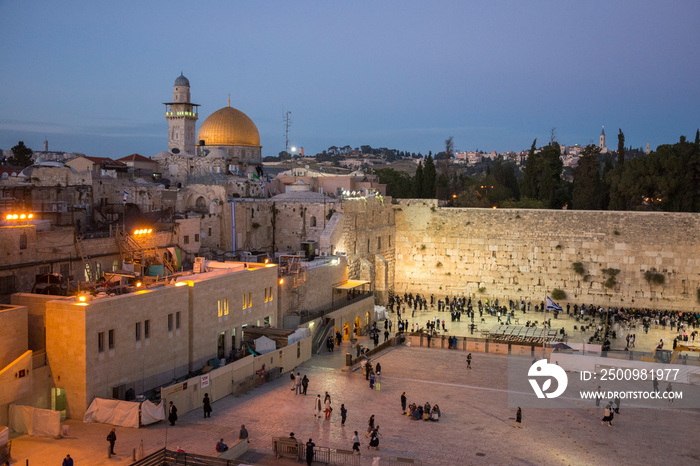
22, 216
180, 283
136, 232
82, 298
494, 207
30, 216
267, 260
454, 196
138, 284
281, 281
15, 217
9, 217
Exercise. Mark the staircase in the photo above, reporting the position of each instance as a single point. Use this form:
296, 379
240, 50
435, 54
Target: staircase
86, 263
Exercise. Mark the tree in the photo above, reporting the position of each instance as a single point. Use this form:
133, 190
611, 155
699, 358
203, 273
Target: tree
418, 183
588, 185
529, 183
21, 155
429, 176
621, 147
697, 136
398, 184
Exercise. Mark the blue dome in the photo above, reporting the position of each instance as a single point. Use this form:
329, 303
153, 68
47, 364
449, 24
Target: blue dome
182, 81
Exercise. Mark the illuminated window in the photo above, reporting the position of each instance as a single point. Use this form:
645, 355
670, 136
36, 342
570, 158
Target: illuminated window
115, 266
270, 293
147, 329
265, 294
222, 307
245, 301
101, 342
138, 331
250, 299
111, 339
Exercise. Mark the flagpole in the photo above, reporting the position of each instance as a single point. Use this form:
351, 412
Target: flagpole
544, 324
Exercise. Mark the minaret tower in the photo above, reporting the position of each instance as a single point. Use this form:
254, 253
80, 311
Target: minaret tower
602, 138
182, 116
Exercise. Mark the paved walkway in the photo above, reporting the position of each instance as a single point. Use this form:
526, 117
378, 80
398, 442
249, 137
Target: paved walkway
476, 426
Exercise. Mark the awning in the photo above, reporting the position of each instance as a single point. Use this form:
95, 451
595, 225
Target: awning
351, 284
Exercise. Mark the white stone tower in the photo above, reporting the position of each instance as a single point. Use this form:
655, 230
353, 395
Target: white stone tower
648, 151
182, 117
602, 138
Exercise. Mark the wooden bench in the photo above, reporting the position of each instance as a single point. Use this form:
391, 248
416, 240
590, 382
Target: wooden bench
286, 447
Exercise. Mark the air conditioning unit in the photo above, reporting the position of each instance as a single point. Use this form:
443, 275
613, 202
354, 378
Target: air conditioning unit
323, 254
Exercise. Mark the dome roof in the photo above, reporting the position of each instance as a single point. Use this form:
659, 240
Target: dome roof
182, 81
229, 127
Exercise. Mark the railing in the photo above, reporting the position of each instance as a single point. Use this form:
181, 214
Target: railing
168, 457
331, 456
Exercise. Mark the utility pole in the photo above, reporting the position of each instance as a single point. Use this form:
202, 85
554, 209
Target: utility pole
287, 124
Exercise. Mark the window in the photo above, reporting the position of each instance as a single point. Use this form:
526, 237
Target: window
147, 329
210, 232
367, 244
186, 239
312, 221
138, 331
266, 320
379, 242
252, 213
101, 342
23, 241
177, 320
266, 295
271, 295
245, 301
196, 237
222, 307
250, 299
389, 240
111, 339
170, 322
115, 266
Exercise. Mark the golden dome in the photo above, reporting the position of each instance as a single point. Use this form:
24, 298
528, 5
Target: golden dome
229, 127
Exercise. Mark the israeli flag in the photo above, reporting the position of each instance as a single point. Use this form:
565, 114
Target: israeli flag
126, 194
552, 306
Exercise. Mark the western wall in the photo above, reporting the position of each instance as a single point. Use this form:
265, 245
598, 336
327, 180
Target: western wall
630, 259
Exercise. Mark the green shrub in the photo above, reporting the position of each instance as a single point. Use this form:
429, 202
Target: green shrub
654, 277
482, 289
558, 294
578, 268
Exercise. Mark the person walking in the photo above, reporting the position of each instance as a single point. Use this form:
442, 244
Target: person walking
243, 434
608, 415
293, 379
403, 403
298, 384
518, 419
374, 439
304, 384
469, 361
356, 444
172, 414
597, 396
112, 439
370, 425
327, 405
67, 461
343, 414
317, 406
310, 452
206, 405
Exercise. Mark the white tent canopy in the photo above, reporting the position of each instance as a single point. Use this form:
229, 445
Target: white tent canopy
264, 345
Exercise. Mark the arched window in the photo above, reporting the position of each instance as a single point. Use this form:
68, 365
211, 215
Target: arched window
312, 221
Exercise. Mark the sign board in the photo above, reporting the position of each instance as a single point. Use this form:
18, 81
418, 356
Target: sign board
205, 381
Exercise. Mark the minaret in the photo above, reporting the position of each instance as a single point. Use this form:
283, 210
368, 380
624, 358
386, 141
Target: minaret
602, 138
648, 149
46, 145
182, 117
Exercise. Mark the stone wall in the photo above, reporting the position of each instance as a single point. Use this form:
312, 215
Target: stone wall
525, 254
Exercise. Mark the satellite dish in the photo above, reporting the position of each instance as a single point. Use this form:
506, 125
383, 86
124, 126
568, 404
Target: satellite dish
175, 150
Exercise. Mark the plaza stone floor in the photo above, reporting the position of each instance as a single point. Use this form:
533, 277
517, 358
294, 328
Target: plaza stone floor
476, 425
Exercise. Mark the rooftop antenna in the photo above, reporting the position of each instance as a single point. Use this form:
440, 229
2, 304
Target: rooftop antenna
287, 124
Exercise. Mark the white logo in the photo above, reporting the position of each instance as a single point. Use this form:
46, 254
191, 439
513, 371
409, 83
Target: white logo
542, 368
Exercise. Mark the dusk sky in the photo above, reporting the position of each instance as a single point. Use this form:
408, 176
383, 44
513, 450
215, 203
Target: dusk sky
91, 76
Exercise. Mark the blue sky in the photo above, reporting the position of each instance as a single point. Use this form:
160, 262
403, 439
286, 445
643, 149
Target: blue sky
91, 76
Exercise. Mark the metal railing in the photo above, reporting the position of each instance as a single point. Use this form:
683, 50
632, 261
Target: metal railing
338, 305
331, 456
164, 457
